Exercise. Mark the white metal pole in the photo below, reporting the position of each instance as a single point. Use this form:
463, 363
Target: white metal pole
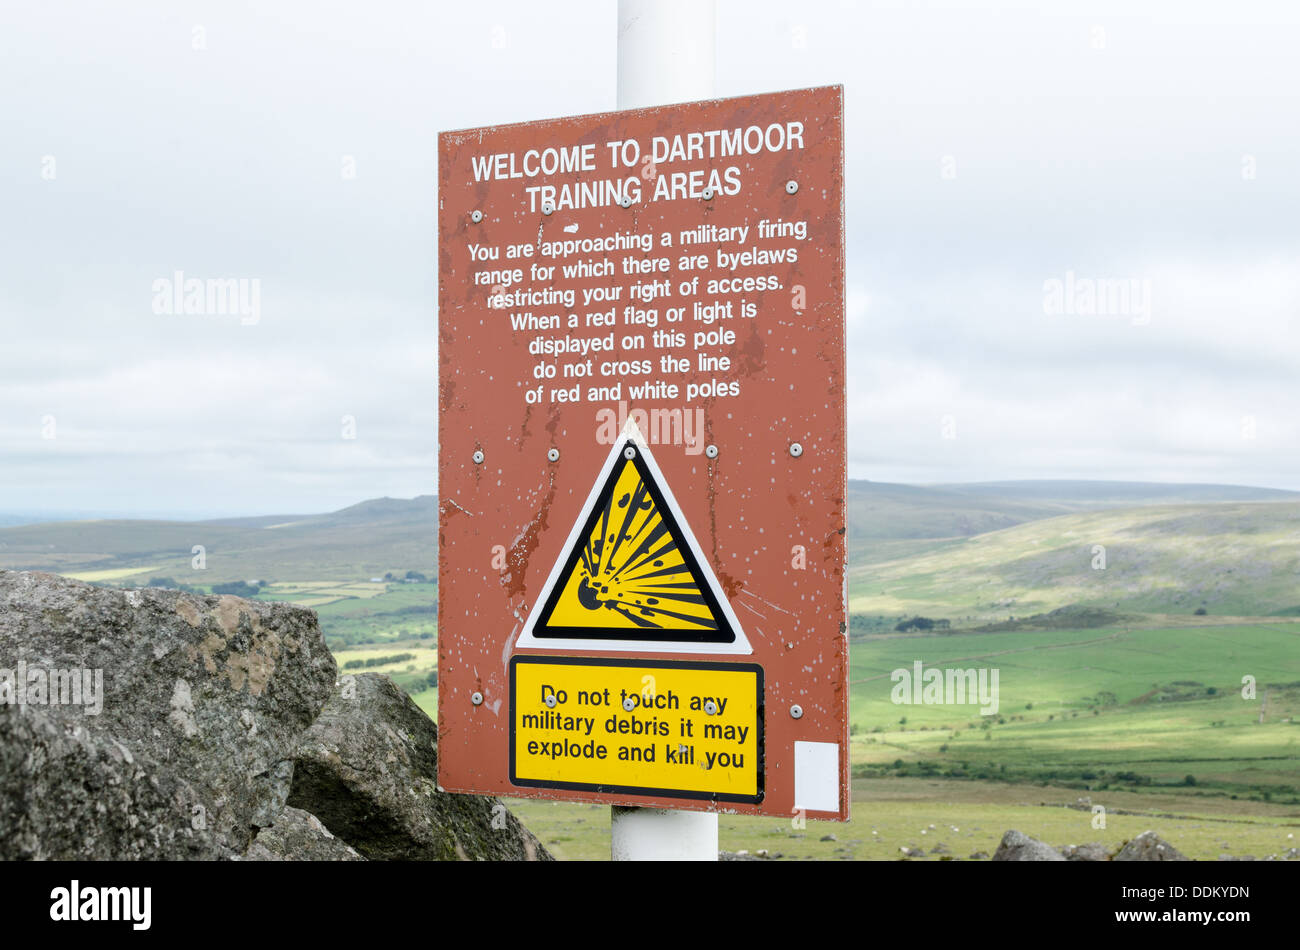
661, 834
665, 51
665, 55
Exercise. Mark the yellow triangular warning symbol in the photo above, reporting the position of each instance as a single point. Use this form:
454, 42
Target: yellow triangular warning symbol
632, 573
631, 570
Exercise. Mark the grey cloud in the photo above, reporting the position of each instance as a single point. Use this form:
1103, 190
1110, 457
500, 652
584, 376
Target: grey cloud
1124, 161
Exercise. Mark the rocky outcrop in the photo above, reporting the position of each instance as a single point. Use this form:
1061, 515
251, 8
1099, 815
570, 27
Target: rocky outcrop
368, 769
1016, 846
157, 725
1149, 846
299, 836
1092, 851
67, 792
148, 723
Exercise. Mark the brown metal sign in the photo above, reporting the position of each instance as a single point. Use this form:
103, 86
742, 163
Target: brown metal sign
641, 469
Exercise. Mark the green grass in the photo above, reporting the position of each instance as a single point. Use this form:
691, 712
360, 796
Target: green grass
921, 814
427, 700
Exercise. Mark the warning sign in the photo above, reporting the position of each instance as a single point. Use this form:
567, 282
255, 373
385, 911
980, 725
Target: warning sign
693, 730
641, 457
633, 571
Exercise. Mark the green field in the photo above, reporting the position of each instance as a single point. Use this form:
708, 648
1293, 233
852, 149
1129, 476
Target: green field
403, 612
389, 660
400, 621
1131, 708
412, 664
317, 594
111, 574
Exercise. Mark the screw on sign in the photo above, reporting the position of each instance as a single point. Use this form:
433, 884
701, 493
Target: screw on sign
645, 387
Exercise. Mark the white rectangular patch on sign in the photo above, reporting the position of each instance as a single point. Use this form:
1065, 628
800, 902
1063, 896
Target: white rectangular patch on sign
817, 776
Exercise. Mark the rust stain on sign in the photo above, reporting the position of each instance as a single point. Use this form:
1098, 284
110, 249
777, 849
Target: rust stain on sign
520, 553
665, 289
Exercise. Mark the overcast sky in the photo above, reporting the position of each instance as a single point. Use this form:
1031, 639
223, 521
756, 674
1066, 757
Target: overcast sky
991, 148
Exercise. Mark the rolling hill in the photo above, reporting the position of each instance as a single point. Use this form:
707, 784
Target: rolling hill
355, 543
911, 548
1233, 558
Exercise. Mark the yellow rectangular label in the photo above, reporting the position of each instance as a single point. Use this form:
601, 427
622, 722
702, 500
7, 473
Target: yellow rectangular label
675, 729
